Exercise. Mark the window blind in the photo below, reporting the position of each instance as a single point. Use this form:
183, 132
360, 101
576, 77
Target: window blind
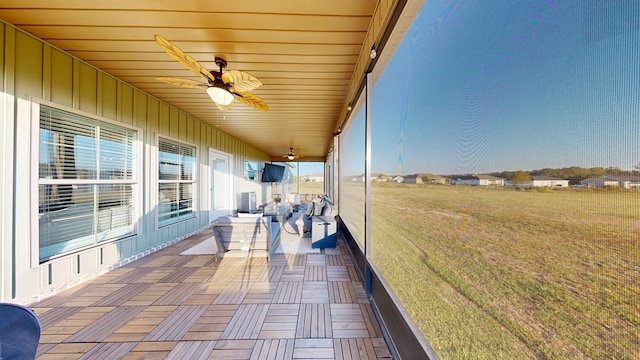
87, 181
176, 177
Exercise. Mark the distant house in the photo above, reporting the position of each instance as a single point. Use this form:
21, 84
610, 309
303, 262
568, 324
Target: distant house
598, 182
398, 179
413, 179
546, 181
625, 182
419, 179
436, 179
379, 177
314, 177
479, 180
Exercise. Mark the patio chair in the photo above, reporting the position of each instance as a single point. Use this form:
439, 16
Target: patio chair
293, 200
19, 332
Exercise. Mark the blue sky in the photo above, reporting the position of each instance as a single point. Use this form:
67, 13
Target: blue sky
481, 86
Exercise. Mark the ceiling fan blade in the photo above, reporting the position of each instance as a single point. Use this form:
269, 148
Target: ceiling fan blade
252, 100
226, 107
183, 58
188, 83
240, 81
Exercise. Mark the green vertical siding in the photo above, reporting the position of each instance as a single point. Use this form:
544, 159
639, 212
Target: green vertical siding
61, 84
174, 123
125, 103
140, 101
108, 97
28, 71
87, 88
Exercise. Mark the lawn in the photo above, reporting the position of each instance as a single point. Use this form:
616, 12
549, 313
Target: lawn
308, 187
492, 273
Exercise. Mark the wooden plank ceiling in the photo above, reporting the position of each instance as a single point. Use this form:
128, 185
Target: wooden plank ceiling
304, 52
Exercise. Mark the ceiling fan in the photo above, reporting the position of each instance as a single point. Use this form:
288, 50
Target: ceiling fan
292, 155
224, 88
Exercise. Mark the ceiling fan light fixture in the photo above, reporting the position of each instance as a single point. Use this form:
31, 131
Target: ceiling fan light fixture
220, 96
291, 155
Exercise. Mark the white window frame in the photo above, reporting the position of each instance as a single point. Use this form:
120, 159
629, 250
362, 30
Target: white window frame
35, 181
158, 182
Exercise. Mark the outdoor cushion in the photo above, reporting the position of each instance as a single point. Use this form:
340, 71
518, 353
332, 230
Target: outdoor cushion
328, 211
309, 211
292, 198
318, 208
19, 332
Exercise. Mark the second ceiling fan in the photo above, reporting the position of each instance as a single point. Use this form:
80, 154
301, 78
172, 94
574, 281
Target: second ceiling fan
224, 88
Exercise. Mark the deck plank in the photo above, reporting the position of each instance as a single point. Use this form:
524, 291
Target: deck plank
342, 292
192, 350
104, 326
273, 349
167, 305
313, 349
176, 325
177, 294
348, 321
122, 295
334, 260
246, 323
293, 273
108, 351
314, 321
337, 273
288, 292
52, 316
315, 273
179, 275
233, 293
280, 322
315, 292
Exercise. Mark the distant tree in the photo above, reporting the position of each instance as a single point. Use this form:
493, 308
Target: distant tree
612, 170
425, 179
520, 177
574, 174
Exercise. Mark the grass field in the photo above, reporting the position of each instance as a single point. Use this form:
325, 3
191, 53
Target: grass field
490, 273
308, 187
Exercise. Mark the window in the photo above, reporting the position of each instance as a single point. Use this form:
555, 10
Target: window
505, 147
309, 178
250, 170
352, 176
86, 181
176, 181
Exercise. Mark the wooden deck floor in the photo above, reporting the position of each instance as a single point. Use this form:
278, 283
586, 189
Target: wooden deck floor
172, 306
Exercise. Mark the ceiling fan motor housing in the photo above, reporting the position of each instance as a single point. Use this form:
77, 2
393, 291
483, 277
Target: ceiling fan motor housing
222, 63
218, 80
